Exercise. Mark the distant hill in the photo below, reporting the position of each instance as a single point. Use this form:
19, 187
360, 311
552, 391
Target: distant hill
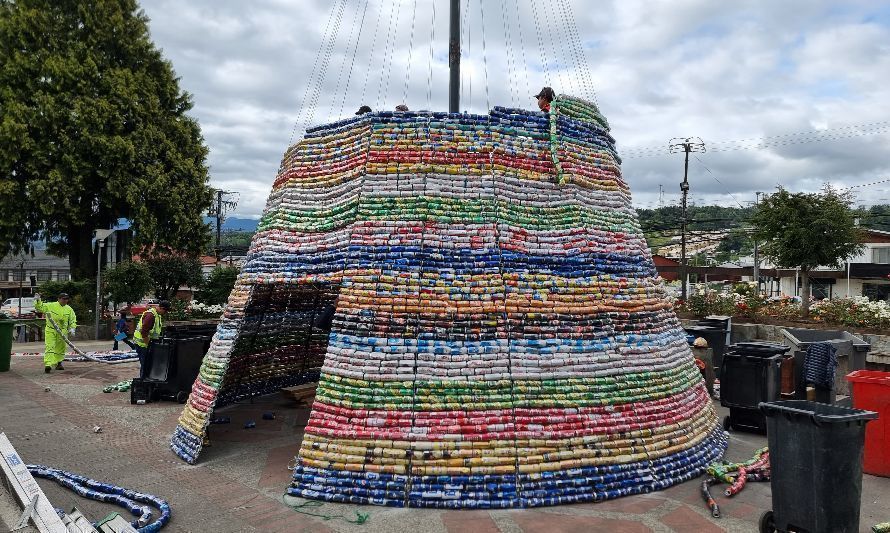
235, 224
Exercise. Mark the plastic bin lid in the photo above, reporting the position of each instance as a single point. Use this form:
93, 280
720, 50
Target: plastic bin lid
817, 413
874, 377
759, 347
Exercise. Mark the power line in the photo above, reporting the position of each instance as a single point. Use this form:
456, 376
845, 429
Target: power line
718, 181
829, 134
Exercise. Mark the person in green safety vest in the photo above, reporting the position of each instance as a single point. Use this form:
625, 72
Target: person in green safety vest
65, 318
147, 330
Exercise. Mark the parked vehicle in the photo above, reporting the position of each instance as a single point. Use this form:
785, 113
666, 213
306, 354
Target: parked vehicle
137, 309
11, 306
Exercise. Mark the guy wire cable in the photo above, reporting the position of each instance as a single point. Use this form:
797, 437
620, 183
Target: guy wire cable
510, 57
370, 65
343, 62
388, 48
324, 66
312, 73
523, 54
361, 27
429, 77
541, 51
410, 53
484, 55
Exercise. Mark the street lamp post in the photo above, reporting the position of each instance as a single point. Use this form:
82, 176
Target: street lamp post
21, 281
101, 236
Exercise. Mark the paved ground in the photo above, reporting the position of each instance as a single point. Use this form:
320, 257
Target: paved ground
238, 485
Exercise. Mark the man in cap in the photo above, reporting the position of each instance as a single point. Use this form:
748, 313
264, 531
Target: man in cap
147, 330
64, 317
545, 98
363, 109
401, 107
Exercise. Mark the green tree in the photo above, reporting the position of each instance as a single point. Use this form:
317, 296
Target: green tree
127, 282
169, 272
218, 286
82, 293
806, 231
93, 128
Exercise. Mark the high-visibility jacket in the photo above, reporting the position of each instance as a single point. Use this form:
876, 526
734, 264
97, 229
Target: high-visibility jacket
155, 329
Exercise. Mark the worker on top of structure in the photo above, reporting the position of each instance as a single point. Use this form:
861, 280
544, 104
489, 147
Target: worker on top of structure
363, 109
64, 317
545, 98
401, 107
147, 330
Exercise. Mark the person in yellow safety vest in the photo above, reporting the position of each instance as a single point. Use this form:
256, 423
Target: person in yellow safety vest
147, 330
65, 318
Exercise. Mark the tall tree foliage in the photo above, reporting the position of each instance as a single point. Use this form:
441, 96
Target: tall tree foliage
127, 282
93, 128
806, 231
218, 286
169, 272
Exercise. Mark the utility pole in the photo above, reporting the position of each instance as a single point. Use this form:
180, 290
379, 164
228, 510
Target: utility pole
218, 210
687, 145
454, 59
757, 252
218, 221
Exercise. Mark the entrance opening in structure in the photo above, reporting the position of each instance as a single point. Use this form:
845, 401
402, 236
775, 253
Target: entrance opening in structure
282, 340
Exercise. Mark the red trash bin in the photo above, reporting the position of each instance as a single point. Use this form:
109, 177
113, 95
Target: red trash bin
871, 391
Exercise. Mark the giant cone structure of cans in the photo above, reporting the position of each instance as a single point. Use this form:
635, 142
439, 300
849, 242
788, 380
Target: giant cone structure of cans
500, 335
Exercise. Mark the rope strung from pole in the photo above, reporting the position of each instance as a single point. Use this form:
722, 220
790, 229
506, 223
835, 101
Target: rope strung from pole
542, 51
522, 48
556, 39
131, 500
389, 45
572, 45
429, 77
510, 58
324, 66
312, 73
368, 66
361, 27
484, 54
342, 69
577, 67
410, 53
588, 76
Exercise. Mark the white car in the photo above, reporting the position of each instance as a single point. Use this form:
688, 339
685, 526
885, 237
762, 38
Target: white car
11, 306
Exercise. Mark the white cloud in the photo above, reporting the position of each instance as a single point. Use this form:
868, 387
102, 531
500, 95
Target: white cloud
721, 71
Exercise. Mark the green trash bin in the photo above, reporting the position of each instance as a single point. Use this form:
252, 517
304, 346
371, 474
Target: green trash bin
6, 327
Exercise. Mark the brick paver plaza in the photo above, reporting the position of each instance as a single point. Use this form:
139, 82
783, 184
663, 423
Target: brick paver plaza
239, 483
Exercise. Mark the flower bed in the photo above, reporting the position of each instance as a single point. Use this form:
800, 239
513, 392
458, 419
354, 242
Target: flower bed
742, 303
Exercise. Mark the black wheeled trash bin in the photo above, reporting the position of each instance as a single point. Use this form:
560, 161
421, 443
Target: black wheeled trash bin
749, 375
815, 453
6, 327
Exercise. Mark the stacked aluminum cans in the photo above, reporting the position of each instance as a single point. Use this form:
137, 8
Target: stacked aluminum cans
500, 337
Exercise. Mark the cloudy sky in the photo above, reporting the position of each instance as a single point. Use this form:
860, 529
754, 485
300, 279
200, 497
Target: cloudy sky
791, 93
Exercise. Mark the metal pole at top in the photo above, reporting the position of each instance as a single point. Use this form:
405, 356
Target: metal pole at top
454, 59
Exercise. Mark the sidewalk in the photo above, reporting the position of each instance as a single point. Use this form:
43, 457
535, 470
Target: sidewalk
239, 483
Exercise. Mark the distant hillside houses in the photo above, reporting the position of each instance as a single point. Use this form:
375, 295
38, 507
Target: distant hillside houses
697, 242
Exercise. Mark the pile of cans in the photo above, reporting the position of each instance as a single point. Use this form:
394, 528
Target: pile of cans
500, 335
